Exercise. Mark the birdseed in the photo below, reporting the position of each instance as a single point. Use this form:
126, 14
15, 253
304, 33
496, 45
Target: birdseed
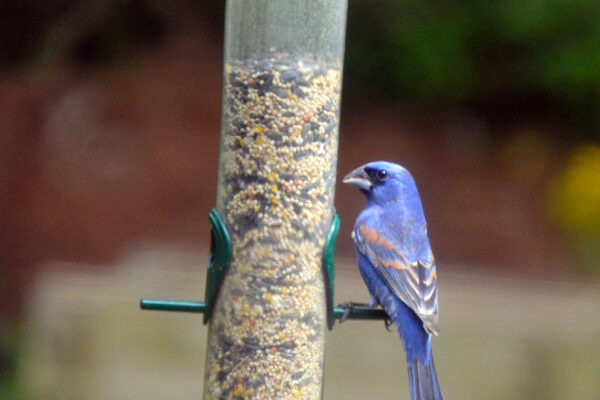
276, 188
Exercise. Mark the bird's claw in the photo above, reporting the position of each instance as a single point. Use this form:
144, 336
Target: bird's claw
388, 324
348, 308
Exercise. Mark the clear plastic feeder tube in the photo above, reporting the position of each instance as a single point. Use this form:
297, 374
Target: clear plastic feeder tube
279, 139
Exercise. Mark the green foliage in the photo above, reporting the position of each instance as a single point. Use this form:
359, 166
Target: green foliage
545, 53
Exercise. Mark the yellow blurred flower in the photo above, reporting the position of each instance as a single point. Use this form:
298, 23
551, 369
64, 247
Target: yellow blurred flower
575, 193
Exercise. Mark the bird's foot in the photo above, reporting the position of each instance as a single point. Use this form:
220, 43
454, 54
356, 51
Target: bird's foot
388, 324
349, 307
373, 302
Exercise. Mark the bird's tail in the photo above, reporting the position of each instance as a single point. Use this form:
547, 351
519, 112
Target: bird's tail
423, 379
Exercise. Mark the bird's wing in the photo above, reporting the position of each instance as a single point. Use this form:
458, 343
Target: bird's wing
408, 268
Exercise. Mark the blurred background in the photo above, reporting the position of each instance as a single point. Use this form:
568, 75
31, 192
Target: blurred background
109, 131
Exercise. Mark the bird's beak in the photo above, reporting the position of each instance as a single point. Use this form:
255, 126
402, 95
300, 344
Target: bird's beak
358, 178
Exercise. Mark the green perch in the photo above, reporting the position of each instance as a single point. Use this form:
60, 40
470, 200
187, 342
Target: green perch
360, 313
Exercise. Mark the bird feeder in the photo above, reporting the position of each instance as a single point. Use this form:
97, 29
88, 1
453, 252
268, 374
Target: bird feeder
269, 294
279, 139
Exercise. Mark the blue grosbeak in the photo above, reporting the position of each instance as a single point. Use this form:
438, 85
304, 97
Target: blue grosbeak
396, 263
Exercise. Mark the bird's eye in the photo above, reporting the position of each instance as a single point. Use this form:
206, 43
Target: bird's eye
382, 175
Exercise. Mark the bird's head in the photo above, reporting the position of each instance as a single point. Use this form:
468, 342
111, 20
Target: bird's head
382, 181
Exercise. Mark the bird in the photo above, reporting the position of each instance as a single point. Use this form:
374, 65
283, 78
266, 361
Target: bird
396, 262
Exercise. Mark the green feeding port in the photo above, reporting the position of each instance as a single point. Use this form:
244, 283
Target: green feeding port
219, 258
218, 261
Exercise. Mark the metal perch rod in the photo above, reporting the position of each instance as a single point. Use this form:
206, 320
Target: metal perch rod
359, 313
